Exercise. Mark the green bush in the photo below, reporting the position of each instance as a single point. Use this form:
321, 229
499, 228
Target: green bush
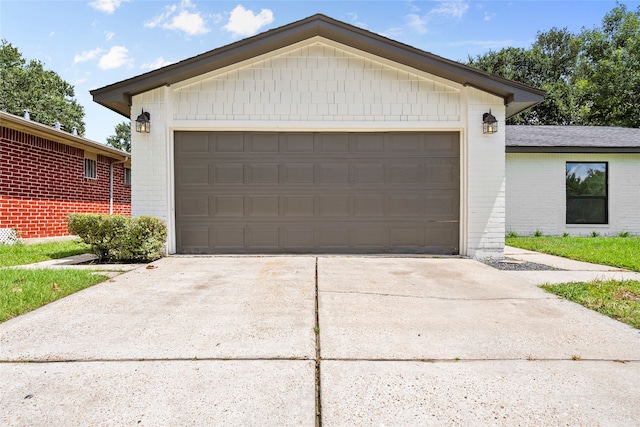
118, 238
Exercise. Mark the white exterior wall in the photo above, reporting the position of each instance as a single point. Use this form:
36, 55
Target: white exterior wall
485, 178
536, 195
320, 85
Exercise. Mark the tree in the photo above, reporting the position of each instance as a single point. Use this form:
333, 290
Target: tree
591, 78
122, 139
549, 65
27, 85
608, 77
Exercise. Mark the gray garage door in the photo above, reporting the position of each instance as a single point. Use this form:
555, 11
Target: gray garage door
257, 192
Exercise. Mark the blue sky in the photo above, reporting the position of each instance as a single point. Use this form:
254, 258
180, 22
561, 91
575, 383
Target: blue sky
93, 43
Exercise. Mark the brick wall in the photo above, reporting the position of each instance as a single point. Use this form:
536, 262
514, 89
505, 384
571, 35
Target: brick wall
42, 181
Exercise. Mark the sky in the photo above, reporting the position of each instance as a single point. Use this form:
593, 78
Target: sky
94, 43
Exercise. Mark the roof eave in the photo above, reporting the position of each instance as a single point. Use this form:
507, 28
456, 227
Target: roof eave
575, 150
38, 129
117, 97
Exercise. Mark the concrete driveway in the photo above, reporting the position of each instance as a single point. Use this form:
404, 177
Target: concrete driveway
402, 341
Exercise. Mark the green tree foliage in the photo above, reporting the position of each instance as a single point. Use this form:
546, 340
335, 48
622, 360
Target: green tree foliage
590, 78
608, 72
27, 85
122, 138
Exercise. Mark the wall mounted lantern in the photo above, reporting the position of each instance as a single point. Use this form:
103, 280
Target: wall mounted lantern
143, 122
489, 123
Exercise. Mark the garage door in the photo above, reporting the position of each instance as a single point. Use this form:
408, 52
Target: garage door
256, 192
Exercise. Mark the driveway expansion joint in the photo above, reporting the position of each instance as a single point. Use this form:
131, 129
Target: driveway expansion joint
382, 294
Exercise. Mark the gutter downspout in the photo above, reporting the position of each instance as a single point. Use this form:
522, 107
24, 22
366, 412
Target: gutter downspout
111, 182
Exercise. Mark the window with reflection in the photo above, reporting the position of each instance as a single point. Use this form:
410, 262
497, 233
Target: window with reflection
587, 196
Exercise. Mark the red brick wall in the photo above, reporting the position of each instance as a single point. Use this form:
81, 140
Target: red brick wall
42, 181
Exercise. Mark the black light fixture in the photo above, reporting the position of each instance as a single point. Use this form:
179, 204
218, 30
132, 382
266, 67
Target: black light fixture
143, 122
489, 123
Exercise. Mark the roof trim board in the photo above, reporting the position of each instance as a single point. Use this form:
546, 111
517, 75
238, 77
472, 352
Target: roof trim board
117, 96
38, 129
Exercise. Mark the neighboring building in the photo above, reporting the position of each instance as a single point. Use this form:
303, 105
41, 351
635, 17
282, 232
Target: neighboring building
321, 137
573, 179
46, 174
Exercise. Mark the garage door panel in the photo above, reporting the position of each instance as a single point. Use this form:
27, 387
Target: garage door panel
311, 192
263, 142
230, 173
228, 206
224, 142
298, 206
369, 205
333, 206
193, 206
297, 173
332, 173
263, 206
228, 237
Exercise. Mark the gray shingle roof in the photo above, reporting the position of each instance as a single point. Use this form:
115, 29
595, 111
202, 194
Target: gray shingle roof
572, 139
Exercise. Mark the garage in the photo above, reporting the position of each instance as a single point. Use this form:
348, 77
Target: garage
277, 192
321, 137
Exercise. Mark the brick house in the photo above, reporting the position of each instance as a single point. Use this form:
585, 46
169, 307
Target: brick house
47, 173
321, 137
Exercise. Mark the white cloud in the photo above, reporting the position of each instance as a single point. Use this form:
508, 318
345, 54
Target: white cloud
115, 58
106, 6
191, 23
52, 33
243, 22
155, 64
417, 23
488, 16
86, 55
108, 35
455, 8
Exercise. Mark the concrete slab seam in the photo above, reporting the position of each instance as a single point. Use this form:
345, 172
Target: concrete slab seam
318, 354
550, 297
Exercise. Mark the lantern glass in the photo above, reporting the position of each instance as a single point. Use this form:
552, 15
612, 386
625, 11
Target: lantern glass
143, 122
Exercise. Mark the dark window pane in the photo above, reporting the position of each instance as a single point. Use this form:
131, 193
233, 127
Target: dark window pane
587, 211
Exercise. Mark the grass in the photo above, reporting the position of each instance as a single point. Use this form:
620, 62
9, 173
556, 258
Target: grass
23, 290
11, 255
617, 299
623, 252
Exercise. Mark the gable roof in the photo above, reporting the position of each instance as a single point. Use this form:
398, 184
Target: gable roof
572, 139
517, 96
30, 127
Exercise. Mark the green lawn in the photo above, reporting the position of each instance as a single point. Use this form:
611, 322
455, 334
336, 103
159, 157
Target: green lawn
23, 290
623, 252
27, 254
619, 300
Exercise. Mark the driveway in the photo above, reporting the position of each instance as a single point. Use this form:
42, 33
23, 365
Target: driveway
401, 341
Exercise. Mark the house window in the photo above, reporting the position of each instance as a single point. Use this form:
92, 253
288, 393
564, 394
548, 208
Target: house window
587, 196
127, 176
90, 168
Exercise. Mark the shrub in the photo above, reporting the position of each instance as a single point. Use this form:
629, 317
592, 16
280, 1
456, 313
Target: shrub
565, 234
512, 234
624, 234
595, 234
537, 233
118, 238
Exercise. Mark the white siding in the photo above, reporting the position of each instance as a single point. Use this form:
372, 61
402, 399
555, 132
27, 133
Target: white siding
322, 87
536, 196
318, 83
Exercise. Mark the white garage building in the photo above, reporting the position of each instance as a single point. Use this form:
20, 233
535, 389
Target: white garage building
321, 137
